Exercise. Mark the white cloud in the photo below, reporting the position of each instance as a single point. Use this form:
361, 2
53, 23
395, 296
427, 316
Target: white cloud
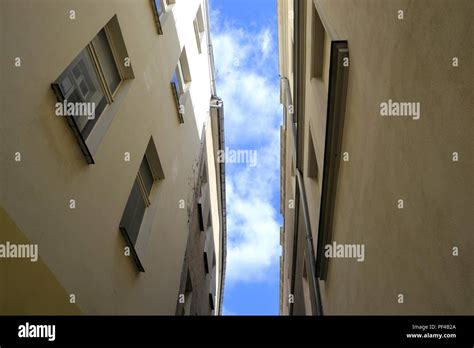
265, 43
248, 84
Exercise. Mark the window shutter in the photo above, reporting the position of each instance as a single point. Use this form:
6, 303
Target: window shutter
133, 214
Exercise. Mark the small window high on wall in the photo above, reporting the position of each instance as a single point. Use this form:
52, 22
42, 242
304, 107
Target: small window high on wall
180, 81
159, 7
199, 28
312, 169
317, 45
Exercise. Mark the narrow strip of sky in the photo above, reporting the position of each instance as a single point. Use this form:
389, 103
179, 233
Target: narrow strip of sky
244, 34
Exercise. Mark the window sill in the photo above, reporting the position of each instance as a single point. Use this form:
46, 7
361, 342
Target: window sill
180, 102
133, 252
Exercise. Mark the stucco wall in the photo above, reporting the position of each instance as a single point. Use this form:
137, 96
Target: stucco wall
83, 248
408, 251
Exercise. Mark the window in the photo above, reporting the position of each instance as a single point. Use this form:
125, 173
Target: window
159, 7
199, 28
188, 296
107, 62
137, 202
79, 83
93, 78
317, 45
208, 253
203, 201
312, 169
212, 282
91, 81
201, 217
206, 263
292, 166
180, 82
211, 302
209, 220
139, 198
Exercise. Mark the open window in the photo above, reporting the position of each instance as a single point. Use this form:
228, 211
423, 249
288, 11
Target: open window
312, 168
160, 7
88, 85
188, 295
208, 253
201, 216
180, 83
211, 302
198, 24
204, 210
317, 45
139, 199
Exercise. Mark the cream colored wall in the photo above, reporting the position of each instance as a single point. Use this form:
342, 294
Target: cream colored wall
410, 249
28, 287
83, 248
407, 251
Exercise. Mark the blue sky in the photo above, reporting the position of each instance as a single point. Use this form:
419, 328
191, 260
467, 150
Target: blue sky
245, 40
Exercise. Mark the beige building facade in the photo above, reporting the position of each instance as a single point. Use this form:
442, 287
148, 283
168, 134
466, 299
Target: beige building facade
110, 121
376, 166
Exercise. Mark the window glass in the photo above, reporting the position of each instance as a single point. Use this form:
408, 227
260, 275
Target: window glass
106, 59
159, 8
79, 84
176, 82
179, 72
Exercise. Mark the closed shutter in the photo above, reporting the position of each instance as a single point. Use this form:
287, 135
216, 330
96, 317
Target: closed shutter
138, 201
133, 214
